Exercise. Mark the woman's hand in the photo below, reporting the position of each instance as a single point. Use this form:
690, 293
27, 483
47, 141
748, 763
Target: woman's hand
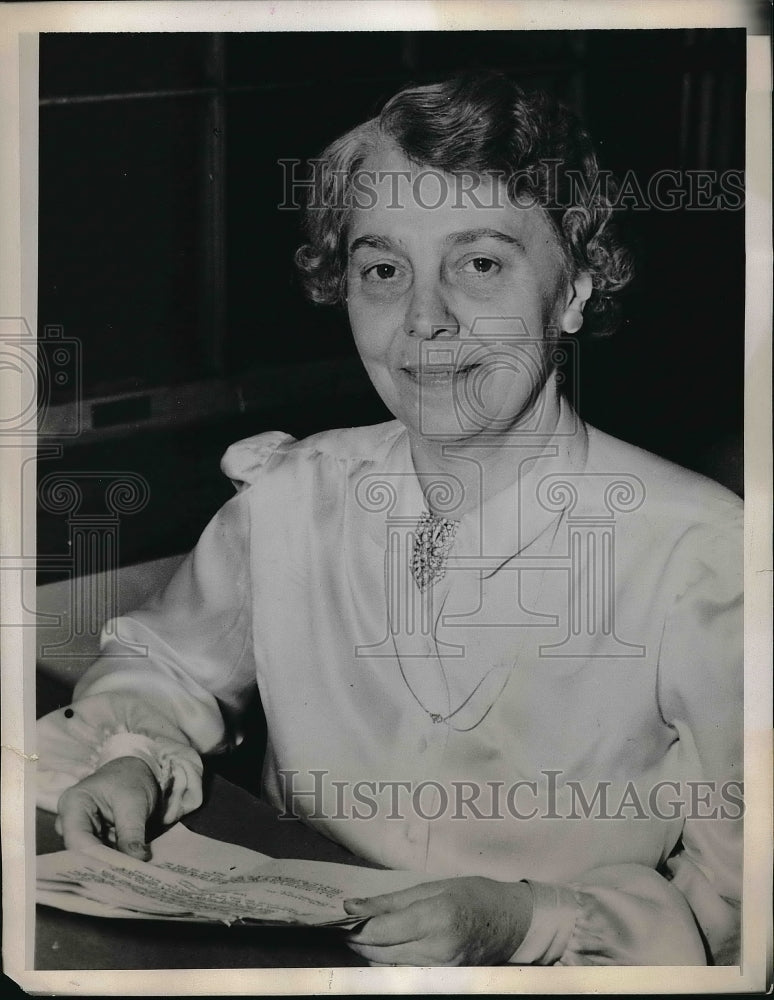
456, 921
114, 804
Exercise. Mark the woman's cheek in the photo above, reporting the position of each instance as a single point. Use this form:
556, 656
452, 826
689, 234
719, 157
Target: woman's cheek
374, 331
500, 299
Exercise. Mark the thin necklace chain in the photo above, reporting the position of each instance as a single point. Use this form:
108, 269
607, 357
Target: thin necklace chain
433, 539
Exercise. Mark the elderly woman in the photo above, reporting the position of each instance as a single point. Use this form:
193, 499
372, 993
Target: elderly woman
492, 643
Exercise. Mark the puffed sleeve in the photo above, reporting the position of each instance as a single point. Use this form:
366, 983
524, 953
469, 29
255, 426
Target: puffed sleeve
183, 697
687, 913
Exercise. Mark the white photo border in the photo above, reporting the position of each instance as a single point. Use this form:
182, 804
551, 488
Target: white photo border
20, 24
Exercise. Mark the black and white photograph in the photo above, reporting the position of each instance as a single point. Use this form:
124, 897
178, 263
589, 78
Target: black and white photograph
384, 480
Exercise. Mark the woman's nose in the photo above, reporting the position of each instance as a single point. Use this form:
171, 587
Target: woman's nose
428, 314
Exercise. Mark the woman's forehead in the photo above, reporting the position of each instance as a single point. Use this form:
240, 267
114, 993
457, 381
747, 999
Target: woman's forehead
399, 182
396, 197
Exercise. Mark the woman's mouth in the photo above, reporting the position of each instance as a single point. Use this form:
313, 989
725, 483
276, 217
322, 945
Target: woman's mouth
438, 374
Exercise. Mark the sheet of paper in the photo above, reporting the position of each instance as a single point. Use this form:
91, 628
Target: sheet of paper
191, 877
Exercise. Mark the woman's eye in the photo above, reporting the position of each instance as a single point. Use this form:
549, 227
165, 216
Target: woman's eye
480, 265
381, 272
383, 280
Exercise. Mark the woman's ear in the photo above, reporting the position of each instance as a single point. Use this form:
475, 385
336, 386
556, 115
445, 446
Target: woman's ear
577, 296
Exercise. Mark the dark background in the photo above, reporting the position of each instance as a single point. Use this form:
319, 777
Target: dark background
161, 249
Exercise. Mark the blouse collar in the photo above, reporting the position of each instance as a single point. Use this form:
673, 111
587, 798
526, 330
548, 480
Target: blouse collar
509, 520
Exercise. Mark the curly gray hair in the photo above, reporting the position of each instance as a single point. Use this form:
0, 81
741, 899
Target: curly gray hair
486, 124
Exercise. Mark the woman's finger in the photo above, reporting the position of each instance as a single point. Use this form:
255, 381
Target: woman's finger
390, 901
412, 923
400, 954
80, 821
130, 829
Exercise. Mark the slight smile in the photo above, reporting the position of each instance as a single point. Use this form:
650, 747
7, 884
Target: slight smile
438, 374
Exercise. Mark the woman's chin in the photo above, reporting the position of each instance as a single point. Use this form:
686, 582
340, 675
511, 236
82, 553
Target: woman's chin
446, 428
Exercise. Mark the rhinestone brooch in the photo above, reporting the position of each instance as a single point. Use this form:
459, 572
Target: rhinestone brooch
433, 539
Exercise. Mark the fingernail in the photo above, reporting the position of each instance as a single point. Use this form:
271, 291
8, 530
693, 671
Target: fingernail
139, 848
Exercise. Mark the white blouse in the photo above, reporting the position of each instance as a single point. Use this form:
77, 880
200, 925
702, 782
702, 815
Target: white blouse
563, 705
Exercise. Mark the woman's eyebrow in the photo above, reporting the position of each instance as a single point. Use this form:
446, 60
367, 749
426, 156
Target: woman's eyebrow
457, 239
375, 242
471, 235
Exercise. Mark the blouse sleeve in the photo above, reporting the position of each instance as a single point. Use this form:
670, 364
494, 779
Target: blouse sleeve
689, 912
185, 695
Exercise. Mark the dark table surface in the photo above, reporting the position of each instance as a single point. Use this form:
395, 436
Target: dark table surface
74, 941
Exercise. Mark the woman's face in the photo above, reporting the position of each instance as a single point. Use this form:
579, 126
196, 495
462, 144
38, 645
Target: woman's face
449, 296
